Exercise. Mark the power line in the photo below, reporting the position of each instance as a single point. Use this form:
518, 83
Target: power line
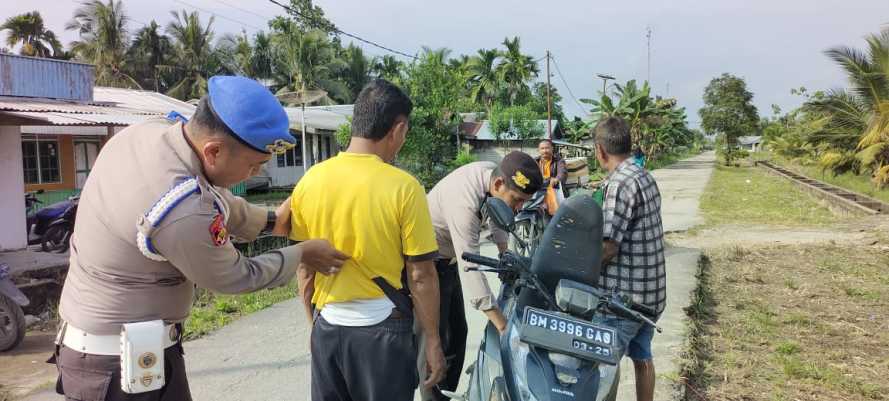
341, 32
562, 77
265, 18
219, 15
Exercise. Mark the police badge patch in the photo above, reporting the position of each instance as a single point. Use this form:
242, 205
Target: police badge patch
218, 233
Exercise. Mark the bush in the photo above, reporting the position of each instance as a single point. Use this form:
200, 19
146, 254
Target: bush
464, 157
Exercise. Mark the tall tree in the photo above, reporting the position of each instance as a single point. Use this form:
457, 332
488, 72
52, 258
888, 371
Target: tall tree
484, 81
357, 71
36, 40
516, 70
193, 55
150, 50
729, 110
103, 41
387, 67
864, 107
306, 61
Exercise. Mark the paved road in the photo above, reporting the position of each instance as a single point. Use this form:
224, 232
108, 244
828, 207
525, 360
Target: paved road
265, 356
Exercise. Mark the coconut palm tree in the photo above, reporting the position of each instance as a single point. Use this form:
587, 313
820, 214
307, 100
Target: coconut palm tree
193, 56
103, 41
484, 82
387, 67
36, 40
307, 61
516, 70
150, 49
861, 110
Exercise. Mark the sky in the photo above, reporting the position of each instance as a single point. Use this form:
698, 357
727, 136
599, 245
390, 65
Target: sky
775, 45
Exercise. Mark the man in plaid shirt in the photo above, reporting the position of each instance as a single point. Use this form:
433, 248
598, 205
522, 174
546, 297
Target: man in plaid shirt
633, 252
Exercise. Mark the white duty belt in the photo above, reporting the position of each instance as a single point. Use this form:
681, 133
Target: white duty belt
81, 341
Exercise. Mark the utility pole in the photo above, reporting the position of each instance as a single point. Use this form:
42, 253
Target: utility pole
549, 102
648, 37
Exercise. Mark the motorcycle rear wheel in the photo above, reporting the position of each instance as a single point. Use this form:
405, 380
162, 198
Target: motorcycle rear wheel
55, 239
12, 324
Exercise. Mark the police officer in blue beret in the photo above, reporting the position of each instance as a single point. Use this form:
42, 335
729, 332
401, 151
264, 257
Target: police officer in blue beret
155, 220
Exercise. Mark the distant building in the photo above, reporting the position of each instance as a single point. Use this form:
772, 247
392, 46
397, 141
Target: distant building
750, 143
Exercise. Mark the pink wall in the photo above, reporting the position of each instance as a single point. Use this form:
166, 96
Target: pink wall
12, 182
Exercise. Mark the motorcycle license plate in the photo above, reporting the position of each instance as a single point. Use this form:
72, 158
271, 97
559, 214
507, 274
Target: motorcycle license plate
569, 335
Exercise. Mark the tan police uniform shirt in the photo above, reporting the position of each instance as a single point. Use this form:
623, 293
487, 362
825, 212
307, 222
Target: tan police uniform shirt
110, 281
455, 204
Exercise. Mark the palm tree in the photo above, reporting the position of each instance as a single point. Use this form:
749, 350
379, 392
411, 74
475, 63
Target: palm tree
863, 109
193, 55
357, 73
103, 41
306, 61
484, 82
262, 56
36, 40
387, 67
516, 70
150, 49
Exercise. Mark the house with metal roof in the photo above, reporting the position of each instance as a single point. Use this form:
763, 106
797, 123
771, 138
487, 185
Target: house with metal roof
53, 123
487, 146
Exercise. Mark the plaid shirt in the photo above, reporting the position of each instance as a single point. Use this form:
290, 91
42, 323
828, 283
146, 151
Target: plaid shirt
632, 211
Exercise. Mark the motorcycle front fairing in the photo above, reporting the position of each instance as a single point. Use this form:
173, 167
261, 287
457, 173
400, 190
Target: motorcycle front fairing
534, 377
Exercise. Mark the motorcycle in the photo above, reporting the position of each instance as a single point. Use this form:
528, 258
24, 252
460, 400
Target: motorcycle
57, 237
50, 226
529, 224
553, 347
12, 318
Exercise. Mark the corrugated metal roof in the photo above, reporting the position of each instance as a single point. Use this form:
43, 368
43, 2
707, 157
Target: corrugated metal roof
45, 78
112, 106
320, 117
55, 118
482, 131
142, 100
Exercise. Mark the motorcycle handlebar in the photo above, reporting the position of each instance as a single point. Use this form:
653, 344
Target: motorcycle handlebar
480, 260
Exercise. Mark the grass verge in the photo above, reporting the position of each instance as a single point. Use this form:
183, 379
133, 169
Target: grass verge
212, 311
852, 182
789, 323
746, 194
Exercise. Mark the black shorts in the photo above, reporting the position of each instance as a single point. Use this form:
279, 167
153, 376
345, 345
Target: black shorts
371, 363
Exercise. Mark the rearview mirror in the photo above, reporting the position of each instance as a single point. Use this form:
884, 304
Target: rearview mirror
500, 213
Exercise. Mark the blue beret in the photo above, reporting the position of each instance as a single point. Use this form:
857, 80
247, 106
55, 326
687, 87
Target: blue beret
251, 112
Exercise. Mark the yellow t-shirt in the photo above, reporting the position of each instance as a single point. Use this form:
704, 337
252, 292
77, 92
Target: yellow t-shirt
368, 209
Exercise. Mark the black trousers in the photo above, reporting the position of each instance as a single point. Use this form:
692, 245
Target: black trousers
452, 325
86, 377
371, 363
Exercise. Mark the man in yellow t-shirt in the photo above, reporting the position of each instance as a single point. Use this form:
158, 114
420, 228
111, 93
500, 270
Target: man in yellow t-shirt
362, 341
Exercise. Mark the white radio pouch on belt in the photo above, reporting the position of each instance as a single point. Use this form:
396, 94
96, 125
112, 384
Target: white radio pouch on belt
142, 357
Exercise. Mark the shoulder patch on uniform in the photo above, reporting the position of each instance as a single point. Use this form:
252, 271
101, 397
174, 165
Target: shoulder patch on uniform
218, 233
158, 212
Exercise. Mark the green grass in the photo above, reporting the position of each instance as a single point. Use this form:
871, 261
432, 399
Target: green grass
273, 196
855, 183
211, 311
745, 195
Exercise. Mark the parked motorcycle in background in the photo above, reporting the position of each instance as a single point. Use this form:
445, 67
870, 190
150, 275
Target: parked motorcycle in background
57, 237
50, 226
12, 318
529, 224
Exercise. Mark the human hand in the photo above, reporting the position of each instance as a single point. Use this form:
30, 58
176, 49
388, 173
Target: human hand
320, 256
435, 363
